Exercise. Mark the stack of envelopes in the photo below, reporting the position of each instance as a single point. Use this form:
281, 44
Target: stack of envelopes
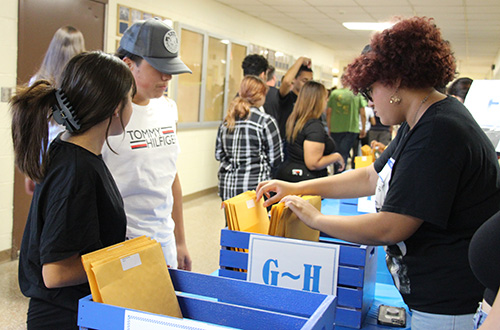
285, 223
132, 274
244, 213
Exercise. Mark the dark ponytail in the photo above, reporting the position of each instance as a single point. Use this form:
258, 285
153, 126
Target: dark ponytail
92, 86
31, 109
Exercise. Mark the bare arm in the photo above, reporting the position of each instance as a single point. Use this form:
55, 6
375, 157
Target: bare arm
66, 272
328, 117
356, 183
286, 84
183, 258
314, 158
362, 115
383, 228
492, 322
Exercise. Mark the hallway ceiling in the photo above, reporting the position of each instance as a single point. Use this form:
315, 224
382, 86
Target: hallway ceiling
472, 26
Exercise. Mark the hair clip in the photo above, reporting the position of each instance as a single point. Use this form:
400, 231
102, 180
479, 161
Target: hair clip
63, 112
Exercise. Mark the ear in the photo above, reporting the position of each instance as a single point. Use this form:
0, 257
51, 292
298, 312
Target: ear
131, 64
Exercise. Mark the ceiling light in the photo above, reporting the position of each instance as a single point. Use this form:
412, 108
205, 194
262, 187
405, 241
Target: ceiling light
367, 26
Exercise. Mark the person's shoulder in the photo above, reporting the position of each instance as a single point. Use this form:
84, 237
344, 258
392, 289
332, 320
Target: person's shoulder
261, 117
68, 159
164, 100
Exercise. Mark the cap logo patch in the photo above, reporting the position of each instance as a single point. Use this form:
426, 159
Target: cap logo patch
171, 42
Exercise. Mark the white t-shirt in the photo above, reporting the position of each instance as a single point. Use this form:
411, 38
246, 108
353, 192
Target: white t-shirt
369, 114
144, 169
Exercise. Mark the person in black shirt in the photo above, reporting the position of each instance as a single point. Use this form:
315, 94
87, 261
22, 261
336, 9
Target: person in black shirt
484, 253
310, 148
436, 183
76, 206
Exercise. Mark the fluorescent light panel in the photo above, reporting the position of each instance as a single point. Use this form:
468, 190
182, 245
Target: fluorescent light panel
367, 26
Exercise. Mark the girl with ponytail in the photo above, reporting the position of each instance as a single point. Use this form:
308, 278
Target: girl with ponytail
248, 144
76, 206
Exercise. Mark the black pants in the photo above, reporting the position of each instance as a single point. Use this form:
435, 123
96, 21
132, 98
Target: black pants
45, 316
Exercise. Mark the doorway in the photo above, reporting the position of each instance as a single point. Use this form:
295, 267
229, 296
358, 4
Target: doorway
38, 21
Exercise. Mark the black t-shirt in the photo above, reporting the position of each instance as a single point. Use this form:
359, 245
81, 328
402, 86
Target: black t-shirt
287, 103
314, 131
272, 104
379, 126
445, 173
484, 254
75, 210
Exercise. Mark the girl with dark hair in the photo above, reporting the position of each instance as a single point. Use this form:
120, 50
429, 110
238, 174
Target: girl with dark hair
66, 43
248, 142
435, 184
310, 149
76, 206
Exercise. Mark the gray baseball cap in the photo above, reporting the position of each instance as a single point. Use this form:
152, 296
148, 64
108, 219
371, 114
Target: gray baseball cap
157, 43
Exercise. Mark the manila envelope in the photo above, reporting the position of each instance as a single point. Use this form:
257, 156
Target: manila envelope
105, 253
138, 280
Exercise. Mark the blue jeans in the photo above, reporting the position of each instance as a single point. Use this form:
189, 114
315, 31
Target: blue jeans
479, 317
344, 142
427, 321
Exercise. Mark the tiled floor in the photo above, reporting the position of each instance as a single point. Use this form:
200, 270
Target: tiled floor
203, 219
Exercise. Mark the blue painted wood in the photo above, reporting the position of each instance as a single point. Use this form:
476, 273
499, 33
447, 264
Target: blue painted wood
356, 273
249, 294
349, 276
89, 311
232, 274
324, 317
230, 303
351, 201
237, 239
228, 258
350, 297
348, 317
237, 316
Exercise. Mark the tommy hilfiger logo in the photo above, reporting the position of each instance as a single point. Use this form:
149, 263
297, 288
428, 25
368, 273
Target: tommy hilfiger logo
152, 137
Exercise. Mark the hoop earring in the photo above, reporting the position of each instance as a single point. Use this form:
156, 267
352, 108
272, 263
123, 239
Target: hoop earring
395, 99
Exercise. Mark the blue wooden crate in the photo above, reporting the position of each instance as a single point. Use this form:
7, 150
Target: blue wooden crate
226, 302
356, 274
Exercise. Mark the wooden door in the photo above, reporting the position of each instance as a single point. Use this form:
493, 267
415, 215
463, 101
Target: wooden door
38, 21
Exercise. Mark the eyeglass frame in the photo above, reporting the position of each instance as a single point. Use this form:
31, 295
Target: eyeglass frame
367, 93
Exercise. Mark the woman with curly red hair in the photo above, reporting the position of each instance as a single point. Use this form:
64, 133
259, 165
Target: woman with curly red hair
435, 184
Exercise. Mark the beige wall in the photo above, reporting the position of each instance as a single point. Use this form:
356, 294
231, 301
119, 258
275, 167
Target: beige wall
8, 68
197, 165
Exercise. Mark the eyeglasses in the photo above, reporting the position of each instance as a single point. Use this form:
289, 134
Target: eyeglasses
367, 93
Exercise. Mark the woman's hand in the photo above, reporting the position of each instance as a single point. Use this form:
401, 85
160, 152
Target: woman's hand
339, 160
281, 188
378, 146
304, 210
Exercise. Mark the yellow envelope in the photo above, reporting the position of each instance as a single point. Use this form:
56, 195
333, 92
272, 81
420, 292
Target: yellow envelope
138, 280
106, 252
295, 228
363, 161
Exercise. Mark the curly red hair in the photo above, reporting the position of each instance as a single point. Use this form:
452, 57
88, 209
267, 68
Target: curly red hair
412, 51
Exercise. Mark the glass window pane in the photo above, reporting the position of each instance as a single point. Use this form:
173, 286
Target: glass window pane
216, 75
238, 53
189, 85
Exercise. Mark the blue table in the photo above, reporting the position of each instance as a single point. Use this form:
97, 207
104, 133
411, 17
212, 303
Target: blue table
385, 291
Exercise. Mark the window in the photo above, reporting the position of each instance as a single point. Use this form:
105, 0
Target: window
202, 97
189, 85
216, 77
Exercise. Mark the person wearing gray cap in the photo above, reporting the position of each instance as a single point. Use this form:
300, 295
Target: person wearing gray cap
143, 160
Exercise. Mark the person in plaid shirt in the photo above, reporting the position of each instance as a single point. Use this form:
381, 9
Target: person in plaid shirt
248, 144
